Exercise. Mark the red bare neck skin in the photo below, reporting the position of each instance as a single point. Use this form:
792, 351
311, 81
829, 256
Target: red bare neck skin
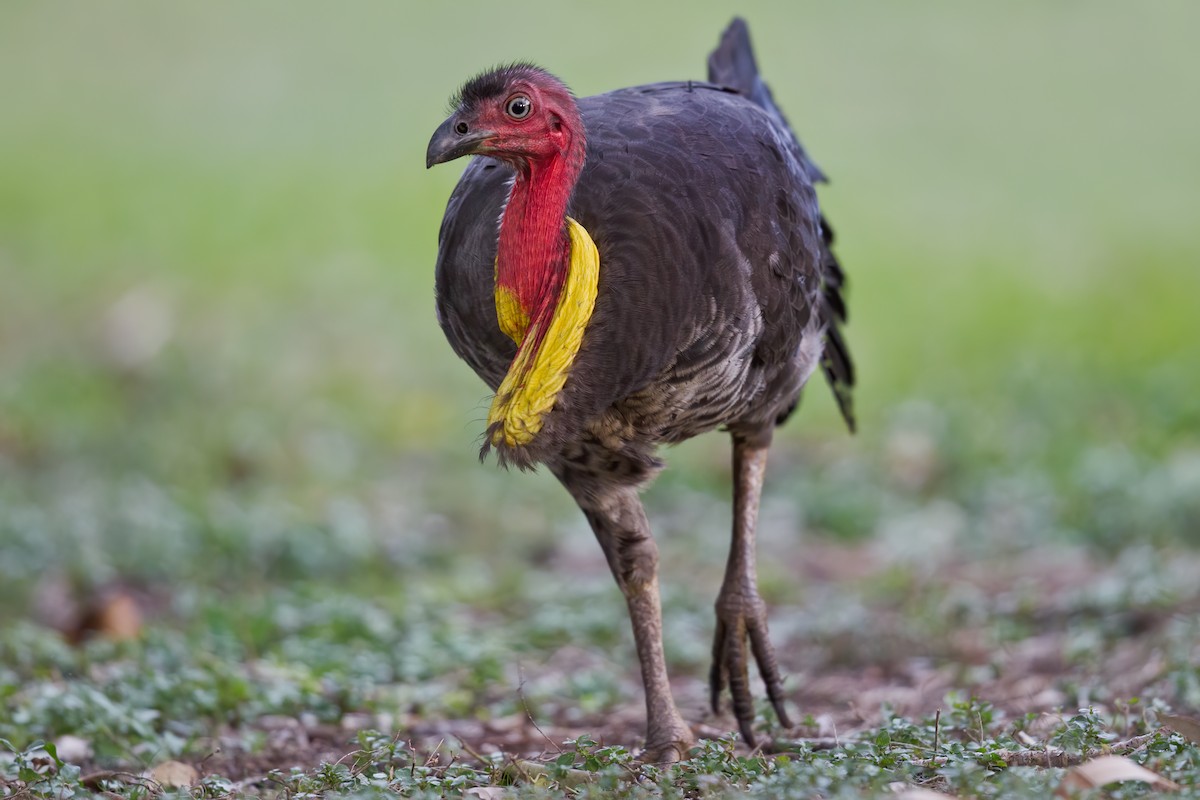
532, 257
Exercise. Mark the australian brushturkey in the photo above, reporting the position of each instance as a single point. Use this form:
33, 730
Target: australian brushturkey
630, 270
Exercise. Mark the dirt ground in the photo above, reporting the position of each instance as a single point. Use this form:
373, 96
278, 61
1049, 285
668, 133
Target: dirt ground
1077, 640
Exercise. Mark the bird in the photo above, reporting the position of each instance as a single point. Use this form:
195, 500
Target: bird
630, 270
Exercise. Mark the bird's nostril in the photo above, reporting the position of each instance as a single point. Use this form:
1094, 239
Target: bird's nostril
461, 128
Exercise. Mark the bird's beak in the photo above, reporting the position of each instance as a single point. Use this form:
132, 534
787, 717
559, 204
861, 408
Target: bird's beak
448, 144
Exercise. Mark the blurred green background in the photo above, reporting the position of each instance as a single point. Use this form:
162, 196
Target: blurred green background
220, 365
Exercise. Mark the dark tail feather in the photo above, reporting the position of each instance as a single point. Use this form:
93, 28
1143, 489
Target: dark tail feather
836, 361
732, 64
832, 272
839, 373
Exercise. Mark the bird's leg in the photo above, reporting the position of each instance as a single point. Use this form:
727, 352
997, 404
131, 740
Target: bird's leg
620, 525
741, 613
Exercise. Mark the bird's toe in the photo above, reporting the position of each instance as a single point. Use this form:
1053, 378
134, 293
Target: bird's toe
742, 619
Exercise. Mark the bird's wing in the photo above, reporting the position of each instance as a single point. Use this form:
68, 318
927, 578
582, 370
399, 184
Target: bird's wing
733, 64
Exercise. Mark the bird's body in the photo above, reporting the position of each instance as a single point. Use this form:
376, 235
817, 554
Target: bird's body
708, 280
716, 298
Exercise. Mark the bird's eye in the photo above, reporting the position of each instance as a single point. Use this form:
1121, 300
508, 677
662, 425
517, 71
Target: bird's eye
518, 106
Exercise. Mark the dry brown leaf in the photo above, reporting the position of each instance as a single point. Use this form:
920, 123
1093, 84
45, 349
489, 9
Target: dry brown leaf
174, 774
1184, 726
118, 616
1109, 769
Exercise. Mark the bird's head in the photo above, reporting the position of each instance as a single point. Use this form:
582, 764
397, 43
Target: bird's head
518, 113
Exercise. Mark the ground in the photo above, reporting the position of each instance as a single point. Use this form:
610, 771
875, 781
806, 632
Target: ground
1051, 659
243, 528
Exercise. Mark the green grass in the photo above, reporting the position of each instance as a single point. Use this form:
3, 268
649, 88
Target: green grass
221, 382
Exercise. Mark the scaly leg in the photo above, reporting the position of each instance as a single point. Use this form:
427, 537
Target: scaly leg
619, 522
741, 613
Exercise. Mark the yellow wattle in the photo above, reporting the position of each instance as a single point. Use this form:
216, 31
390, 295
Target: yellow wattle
534, 379
513, 319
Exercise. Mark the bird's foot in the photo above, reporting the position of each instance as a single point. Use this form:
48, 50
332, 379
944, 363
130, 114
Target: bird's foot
668, 741
667, 752
742, 616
